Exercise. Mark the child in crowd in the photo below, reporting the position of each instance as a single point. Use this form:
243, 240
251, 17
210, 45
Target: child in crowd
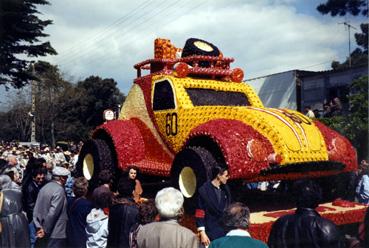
97, 221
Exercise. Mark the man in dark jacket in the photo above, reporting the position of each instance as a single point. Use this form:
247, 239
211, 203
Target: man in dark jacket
122, 215
30, 193
305, 228
214, 196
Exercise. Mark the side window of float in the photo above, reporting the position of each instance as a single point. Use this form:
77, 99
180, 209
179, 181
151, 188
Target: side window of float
164, 100
163, 96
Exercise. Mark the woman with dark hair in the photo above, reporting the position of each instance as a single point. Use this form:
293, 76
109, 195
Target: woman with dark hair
214, 196
78, 209
133, 172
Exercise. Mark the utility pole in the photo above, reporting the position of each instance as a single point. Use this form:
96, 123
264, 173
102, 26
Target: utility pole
33, 107
349, 26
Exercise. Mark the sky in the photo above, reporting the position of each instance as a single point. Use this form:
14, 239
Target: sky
106, 38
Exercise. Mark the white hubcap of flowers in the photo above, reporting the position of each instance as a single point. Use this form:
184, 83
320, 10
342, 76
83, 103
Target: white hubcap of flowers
88, 166
187, 182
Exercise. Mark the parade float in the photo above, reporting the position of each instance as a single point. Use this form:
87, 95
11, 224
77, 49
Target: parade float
189, 110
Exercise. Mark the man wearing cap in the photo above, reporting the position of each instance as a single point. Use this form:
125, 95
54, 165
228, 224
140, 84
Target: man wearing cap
50, 212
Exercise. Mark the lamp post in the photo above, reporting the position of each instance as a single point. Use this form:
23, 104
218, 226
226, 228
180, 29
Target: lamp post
33, 108
117, 112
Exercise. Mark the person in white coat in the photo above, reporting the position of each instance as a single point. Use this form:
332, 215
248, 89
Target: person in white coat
97, 220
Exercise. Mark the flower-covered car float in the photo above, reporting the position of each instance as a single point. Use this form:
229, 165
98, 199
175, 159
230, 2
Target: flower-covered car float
190, 112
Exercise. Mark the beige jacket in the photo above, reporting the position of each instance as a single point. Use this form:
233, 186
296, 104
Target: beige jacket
166, 234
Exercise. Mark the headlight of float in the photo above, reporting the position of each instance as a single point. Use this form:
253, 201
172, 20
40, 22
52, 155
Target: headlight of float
256, 151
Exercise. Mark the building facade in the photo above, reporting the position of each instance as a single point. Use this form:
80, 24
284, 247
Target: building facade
297, 89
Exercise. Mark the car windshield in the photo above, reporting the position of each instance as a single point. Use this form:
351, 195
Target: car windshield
210, 97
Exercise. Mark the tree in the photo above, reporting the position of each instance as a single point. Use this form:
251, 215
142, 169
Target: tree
82, 107
362, 38
16, 123
64, 111
47, 87
20, 34
20, 117
343, 7
353, 7
100, 94
355, 125
50, 85
69, 119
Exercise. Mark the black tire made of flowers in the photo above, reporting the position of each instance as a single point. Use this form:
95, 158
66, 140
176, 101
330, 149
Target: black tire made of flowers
102, 157
201, 161
194, 46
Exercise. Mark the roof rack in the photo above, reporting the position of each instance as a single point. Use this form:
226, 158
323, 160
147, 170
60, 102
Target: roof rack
211, 66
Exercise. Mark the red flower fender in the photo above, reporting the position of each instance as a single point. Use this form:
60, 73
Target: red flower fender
127, 140
235, 139
135, 144
339, 148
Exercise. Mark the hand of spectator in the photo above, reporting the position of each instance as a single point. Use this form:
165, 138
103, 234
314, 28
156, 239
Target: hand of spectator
204, 238
40, 233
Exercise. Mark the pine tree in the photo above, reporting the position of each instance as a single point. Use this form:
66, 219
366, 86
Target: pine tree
21, 32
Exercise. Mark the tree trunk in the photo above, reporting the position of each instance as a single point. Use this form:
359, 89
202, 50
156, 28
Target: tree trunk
52, 134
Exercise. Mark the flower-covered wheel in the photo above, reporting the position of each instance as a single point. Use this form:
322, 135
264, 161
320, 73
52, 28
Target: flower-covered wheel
94, 157
196, 46
191, 168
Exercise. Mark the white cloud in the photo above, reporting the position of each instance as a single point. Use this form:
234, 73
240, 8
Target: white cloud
263, 36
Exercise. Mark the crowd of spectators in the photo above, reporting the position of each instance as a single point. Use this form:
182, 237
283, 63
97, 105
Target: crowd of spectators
44, 203
330, 108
